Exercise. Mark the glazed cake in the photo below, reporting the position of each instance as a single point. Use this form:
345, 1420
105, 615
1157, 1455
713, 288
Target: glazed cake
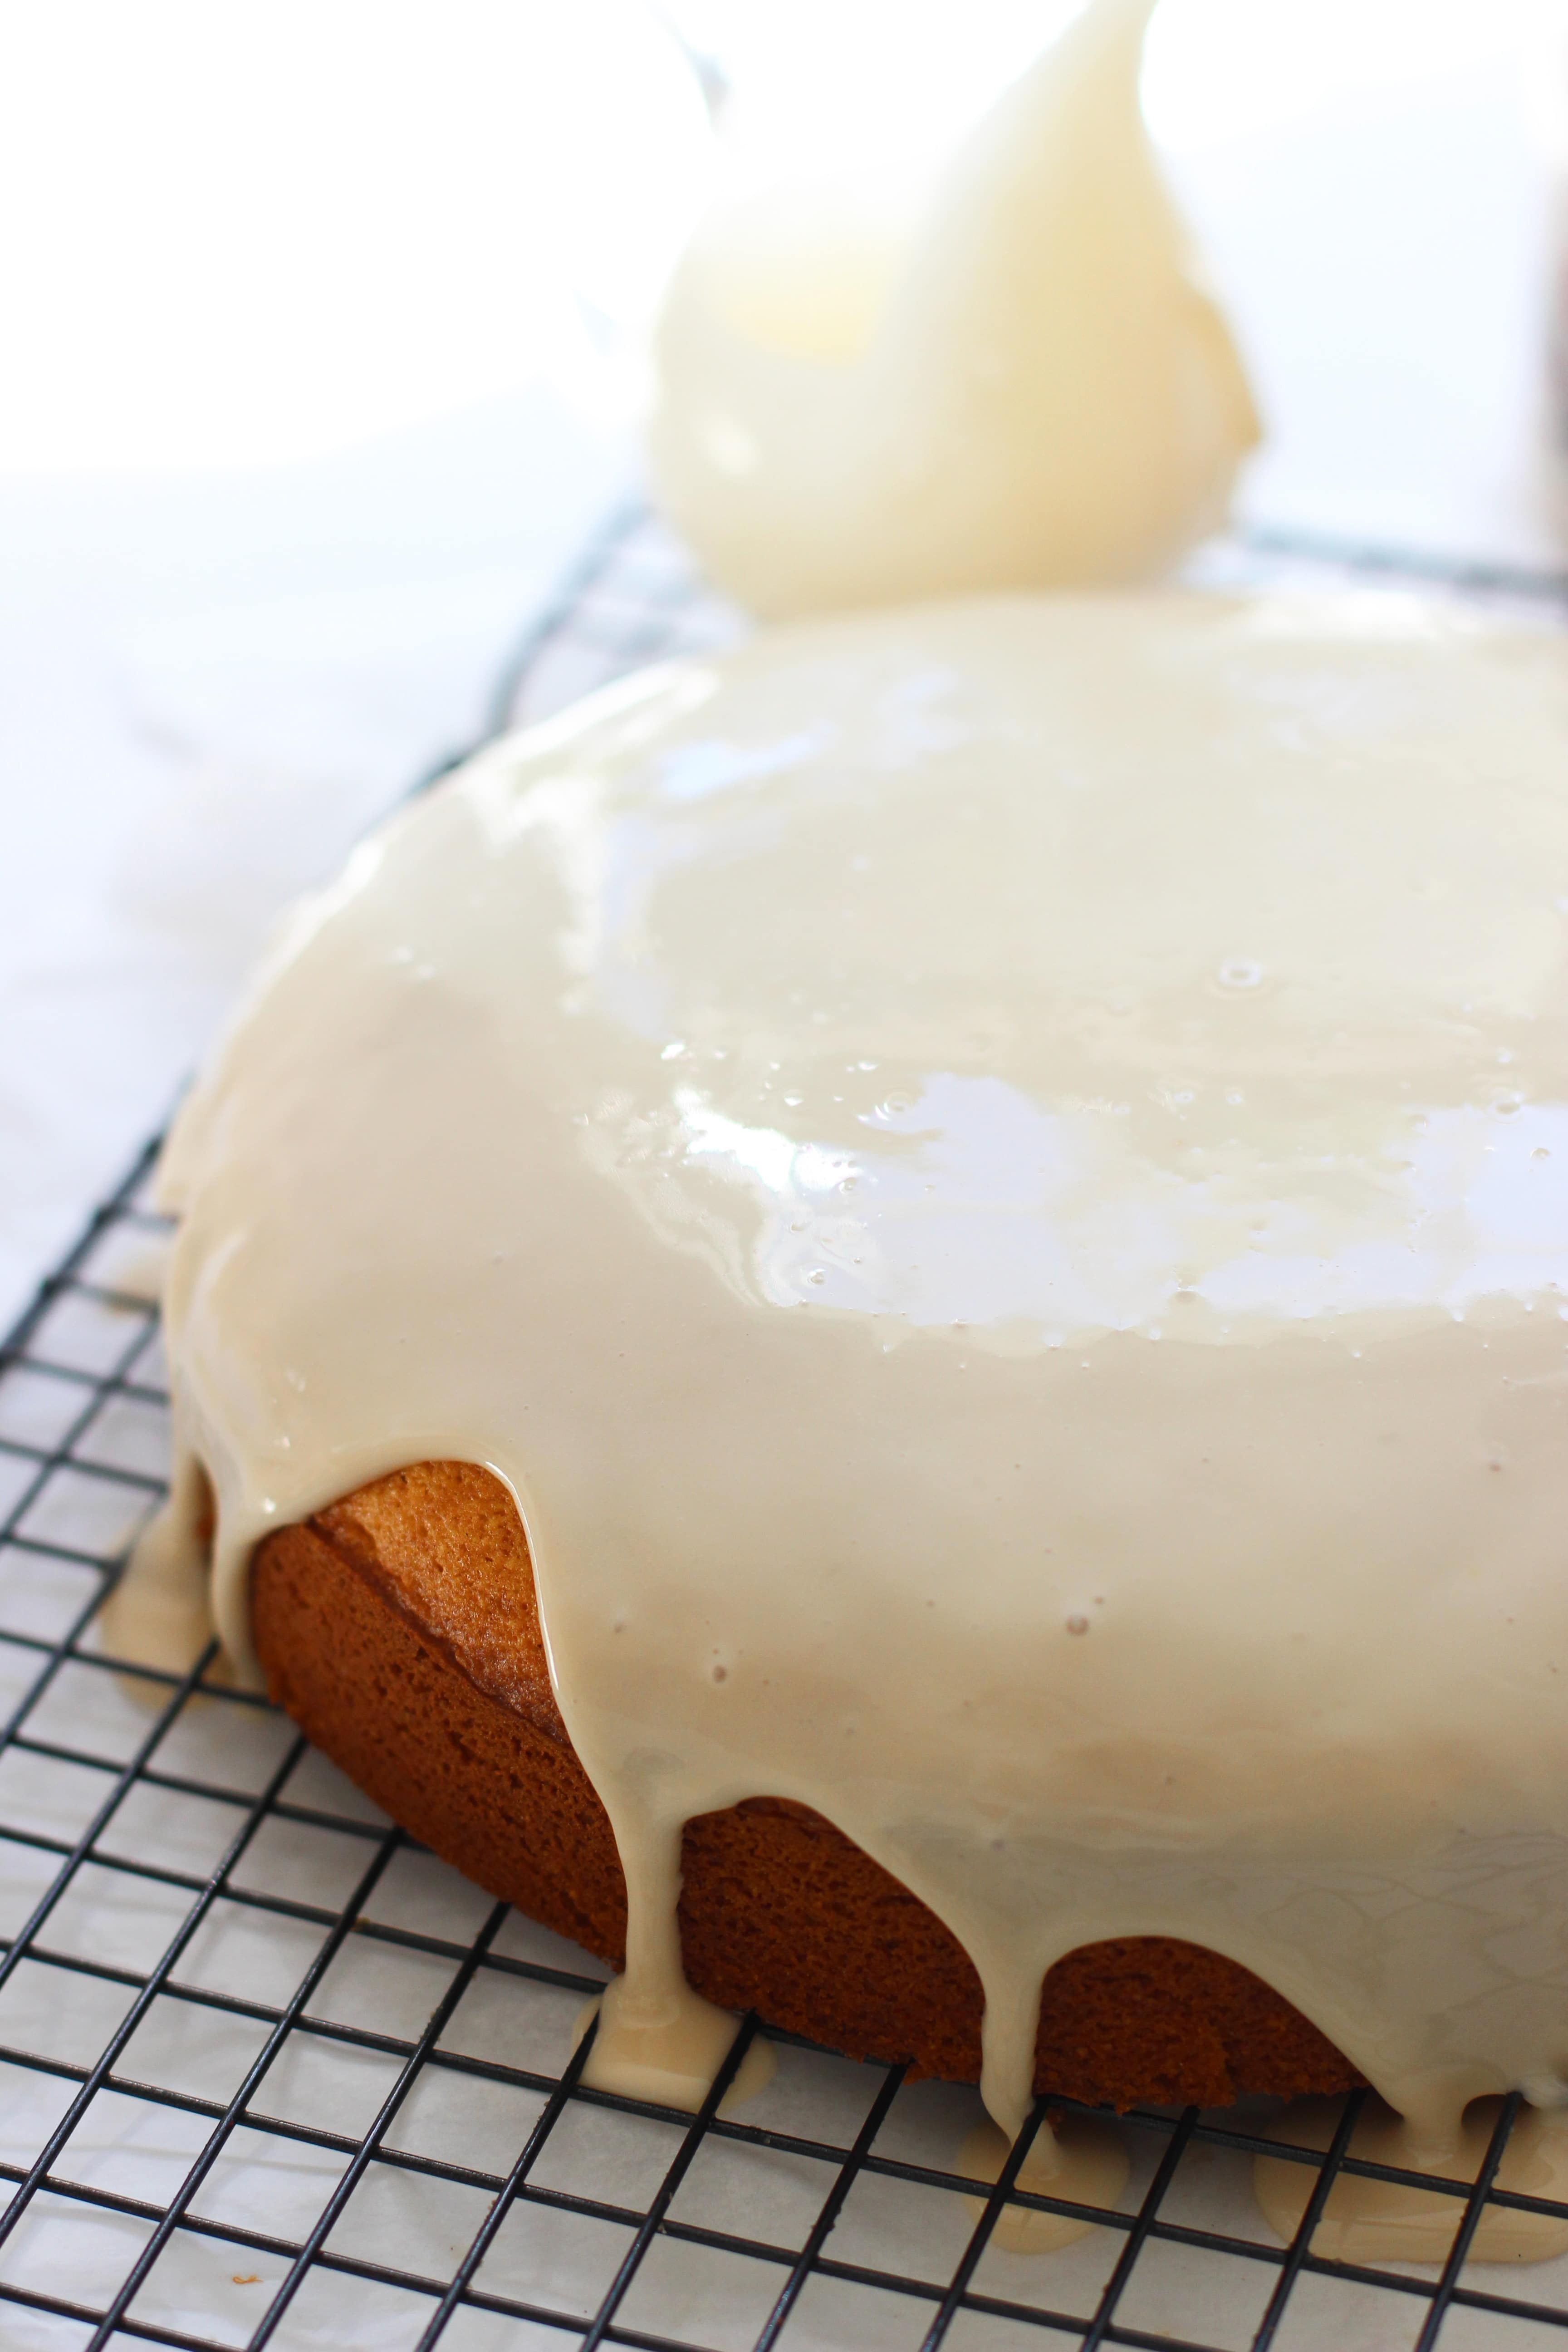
919, 1272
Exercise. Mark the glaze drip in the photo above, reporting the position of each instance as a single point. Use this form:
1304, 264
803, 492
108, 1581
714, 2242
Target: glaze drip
672, 2055
1082, 2161
994, 1182
160, 1614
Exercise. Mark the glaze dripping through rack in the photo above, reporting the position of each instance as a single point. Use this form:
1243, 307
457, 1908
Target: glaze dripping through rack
271, 2074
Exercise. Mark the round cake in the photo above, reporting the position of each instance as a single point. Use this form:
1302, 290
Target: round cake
885, 1317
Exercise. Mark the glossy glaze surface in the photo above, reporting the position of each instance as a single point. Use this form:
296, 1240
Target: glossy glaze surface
1016, 380
996, 1182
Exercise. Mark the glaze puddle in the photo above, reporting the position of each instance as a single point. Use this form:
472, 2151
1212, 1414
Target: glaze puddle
1082, 2161
671, 2061
1376, 2221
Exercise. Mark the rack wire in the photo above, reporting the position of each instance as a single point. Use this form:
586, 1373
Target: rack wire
271, 2074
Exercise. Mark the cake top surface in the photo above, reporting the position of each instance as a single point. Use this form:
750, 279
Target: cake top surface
1037, 969
993, 1178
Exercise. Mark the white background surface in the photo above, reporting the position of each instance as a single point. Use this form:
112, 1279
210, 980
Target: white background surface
316, 324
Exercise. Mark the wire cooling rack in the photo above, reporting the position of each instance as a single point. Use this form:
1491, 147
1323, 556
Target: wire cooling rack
270, 2073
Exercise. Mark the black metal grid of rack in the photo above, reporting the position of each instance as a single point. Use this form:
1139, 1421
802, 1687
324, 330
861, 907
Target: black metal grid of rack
252, 2038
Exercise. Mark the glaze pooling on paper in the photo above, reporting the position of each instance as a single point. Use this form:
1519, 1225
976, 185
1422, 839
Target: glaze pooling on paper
995, 1180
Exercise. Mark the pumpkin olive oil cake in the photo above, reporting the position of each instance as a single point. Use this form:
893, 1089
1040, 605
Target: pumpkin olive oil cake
914, 1280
